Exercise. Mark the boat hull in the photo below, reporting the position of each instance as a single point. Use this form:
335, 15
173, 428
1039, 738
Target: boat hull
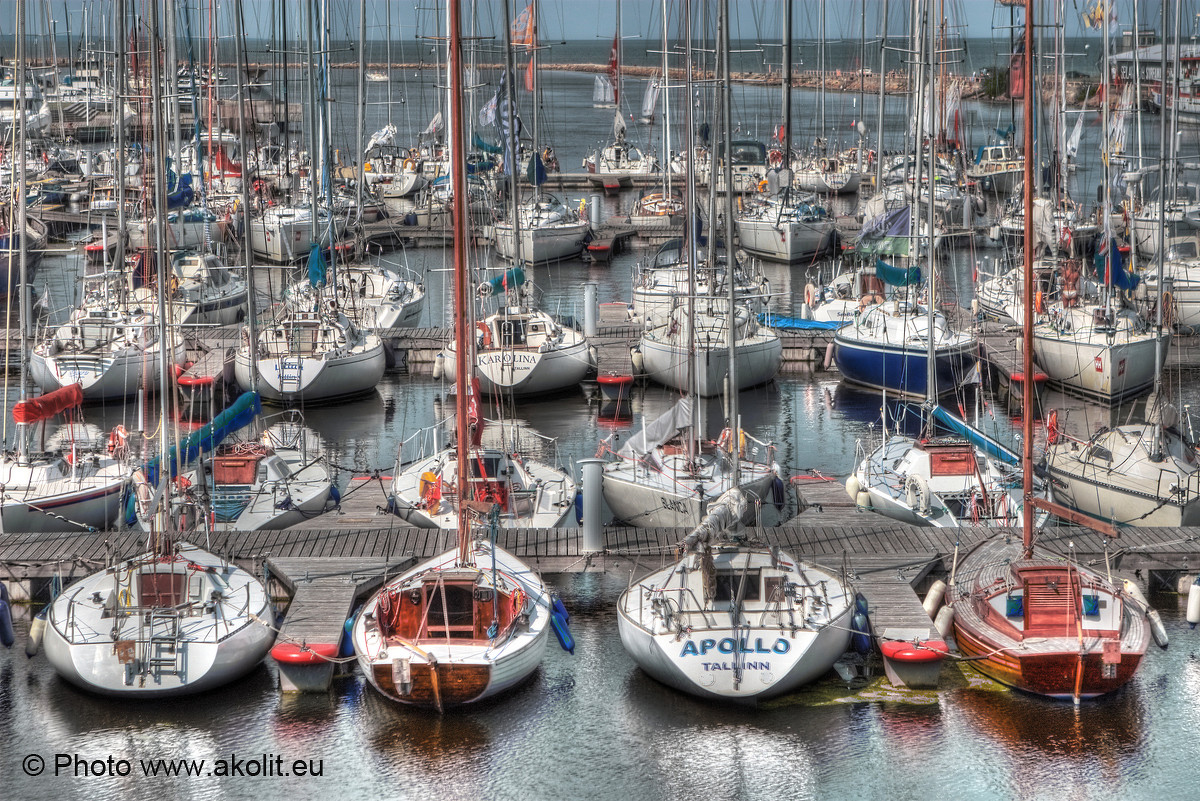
292, 379
667, 362
899, 369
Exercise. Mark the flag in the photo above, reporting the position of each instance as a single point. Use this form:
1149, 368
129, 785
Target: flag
614, 69
498, 111
524, 31
536, 173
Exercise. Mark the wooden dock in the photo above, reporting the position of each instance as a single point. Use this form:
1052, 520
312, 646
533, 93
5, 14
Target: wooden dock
324, 592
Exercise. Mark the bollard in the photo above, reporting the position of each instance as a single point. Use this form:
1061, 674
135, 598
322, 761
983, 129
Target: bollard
594, 210
593, 532
590, 309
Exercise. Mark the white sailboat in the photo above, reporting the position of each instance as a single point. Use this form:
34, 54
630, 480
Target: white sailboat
473, 622
735, 622
666, 475
160, 624
173, 620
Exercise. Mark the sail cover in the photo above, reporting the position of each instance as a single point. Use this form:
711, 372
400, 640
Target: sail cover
208, 437
662, 429
48, 405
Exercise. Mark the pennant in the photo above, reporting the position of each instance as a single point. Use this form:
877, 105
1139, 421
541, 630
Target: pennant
523, 29
614, 69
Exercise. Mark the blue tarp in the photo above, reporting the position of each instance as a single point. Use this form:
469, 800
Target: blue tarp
897, 276
513, 278
976, 437
208, 437
316, 266
797, 323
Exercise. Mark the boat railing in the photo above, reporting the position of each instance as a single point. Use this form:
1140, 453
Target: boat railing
672, 608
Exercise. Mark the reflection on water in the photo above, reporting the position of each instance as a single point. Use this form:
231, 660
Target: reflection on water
593, 725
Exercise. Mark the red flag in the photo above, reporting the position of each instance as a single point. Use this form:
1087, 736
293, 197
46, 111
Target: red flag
614, 69
529, 76
523, 28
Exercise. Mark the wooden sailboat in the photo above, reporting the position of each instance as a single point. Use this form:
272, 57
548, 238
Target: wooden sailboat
472, 622
1025, 616
734, 620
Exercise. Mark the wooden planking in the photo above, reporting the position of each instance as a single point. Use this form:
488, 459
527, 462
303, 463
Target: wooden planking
324, 593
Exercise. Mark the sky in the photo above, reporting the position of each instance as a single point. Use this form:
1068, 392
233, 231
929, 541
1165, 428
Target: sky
590, 19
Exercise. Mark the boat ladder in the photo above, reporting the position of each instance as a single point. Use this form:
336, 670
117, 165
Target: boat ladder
164, 652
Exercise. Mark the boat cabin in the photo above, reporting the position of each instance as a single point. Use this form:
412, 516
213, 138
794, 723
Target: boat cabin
451, 605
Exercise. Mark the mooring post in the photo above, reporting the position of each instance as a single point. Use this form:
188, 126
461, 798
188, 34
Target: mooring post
593, 531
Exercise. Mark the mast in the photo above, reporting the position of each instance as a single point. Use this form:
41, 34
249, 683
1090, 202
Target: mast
514, 140
462, 300
731, 320
690, 206
19, 228
879, 111
161, 267
247, 247
1027, 289
931, 387
359, 121
787, 85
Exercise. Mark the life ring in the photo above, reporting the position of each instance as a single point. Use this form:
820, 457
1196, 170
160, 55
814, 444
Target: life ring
485, 334
1053, 432
810, 296
517, 599
775, 157
410, 165
917, 490
118, 441
762, 185
1167, 312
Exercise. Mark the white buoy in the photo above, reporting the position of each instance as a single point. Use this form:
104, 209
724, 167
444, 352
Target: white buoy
1157, 629
933, 598
439, 368
944, 622
1193, 607
852, 487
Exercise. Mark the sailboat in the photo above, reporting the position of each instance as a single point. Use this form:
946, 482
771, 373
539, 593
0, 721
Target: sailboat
521, 350
473, 622
734, 620
666, 474
173, 620
1029, 618
619, 158
1134, 474
779, 223
50, 491
937, 479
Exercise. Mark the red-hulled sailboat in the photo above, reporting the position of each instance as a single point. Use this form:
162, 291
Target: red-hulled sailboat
1030, 618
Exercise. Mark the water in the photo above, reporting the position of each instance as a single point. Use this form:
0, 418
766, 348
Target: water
592, 726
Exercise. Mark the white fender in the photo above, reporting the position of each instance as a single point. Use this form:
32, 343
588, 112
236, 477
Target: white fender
933, 598
944, 622
1193, 604
852, 487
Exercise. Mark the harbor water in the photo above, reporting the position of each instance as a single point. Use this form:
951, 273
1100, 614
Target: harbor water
592, 725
